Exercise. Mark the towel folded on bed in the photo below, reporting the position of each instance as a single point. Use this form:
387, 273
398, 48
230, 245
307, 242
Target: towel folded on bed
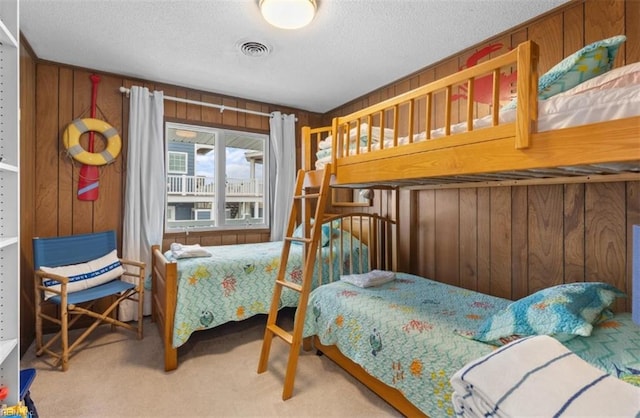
188, 251
372, 278
538, 376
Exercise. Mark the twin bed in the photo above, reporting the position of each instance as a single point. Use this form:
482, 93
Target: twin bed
236, 281
408, 352
405, 339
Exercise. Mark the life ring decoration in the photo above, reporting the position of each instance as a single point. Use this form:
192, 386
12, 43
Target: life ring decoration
71, 140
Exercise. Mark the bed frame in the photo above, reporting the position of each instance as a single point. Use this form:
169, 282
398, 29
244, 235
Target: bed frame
375, 231
503, 154
509, 153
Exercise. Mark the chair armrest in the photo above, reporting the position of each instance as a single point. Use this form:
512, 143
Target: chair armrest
56, 277
138, 264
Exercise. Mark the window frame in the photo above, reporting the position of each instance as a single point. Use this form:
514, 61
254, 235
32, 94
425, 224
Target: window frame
220, 167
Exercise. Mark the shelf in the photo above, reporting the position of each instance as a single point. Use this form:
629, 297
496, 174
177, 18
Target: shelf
5, 242
8, 167
5, 348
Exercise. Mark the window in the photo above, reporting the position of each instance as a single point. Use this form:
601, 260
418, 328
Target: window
215, 178
177, 162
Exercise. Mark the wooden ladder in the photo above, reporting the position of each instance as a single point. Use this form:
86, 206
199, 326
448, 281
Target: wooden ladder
310, 186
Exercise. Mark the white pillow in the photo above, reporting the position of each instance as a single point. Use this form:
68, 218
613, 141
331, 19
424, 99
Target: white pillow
616, 78
85, 275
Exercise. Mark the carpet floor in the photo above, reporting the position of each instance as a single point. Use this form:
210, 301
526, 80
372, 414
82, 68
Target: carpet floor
116, 375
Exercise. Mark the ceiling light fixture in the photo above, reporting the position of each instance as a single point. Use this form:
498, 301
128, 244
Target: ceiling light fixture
185, 134
288, 14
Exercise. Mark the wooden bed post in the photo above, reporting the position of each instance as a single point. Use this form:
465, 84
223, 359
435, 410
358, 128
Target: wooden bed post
306, 148
334, 144
527, 93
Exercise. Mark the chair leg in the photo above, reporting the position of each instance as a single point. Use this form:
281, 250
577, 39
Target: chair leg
64, 330
140, 311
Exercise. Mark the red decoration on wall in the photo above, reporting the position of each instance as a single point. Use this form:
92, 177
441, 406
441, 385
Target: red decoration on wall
483, 85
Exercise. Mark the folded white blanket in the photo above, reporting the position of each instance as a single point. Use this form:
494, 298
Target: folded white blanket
188, 251
372, 278
538, 376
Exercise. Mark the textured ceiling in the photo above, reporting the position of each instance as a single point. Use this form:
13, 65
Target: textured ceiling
352, 47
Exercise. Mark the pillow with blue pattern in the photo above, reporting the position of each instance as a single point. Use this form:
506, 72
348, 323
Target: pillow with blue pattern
592, 60
324, 240
562, 311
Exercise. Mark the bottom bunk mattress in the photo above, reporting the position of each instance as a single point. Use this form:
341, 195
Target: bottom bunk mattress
237, 281
406, 334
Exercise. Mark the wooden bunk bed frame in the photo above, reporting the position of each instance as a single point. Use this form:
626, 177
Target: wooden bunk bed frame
371, 229
504, 153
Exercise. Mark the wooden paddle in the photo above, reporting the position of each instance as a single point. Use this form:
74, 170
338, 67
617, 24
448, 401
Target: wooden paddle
89, 174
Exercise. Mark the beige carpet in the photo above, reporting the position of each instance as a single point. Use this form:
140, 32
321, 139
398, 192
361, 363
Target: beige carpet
116, 375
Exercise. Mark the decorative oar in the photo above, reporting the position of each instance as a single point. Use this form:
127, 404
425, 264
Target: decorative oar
89, 174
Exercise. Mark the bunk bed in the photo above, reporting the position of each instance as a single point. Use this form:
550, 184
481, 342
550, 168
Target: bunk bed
422, 139
236, 281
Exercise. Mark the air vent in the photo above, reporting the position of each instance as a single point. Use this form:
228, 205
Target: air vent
254, 49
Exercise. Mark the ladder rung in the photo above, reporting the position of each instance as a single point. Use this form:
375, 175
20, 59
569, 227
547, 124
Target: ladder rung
307, 196
281, 333
298, 239
290, 285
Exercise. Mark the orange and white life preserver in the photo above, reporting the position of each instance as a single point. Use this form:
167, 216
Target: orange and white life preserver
71, 140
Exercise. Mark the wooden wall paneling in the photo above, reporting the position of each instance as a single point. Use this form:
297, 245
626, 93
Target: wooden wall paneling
633, 218
67, 173
82, 211
229, 118
406, 220
547, 33
111, 186
520, 242
501, 242
468, 239
181, 108
447, 223
573, 23
194, 112
545, 236
425, 248
211, 240
46, 146
574, 230
484, 240
603, 19
606, 235
632, 31
211, 115
170, 107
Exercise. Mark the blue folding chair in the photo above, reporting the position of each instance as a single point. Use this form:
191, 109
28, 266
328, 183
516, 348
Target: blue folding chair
77, 294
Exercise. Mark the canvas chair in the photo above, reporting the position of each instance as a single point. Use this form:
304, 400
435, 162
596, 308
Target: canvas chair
75, 272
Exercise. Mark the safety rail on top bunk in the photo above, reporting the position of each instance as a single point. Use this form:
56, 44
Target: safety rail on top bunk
523, 59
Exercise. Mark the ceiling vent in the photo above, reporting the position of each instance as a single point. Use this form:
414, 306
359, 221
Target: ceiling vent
254, 49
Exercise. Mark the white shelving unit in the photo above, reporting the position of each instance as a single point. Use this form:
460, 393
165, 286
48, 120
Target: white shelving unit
9, 200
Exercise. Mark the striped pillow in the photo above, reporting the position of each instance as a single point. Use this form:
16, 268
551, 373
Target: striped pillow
84, 275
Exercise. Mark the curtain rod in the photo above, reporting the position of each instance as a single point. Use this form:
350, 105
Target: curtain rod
198, 103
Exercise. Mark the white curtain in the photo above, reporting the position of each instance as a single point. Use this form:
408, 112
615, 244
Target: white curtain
145, 186
282, 170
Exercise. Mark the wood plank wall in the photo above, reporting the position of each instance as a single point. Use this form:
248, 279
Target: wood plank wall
512, 241
52, 95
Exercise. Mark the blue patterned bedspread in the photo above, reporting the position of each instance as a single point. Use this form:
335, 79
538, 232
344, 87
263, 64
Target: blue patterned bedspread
237, 282
404, 334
